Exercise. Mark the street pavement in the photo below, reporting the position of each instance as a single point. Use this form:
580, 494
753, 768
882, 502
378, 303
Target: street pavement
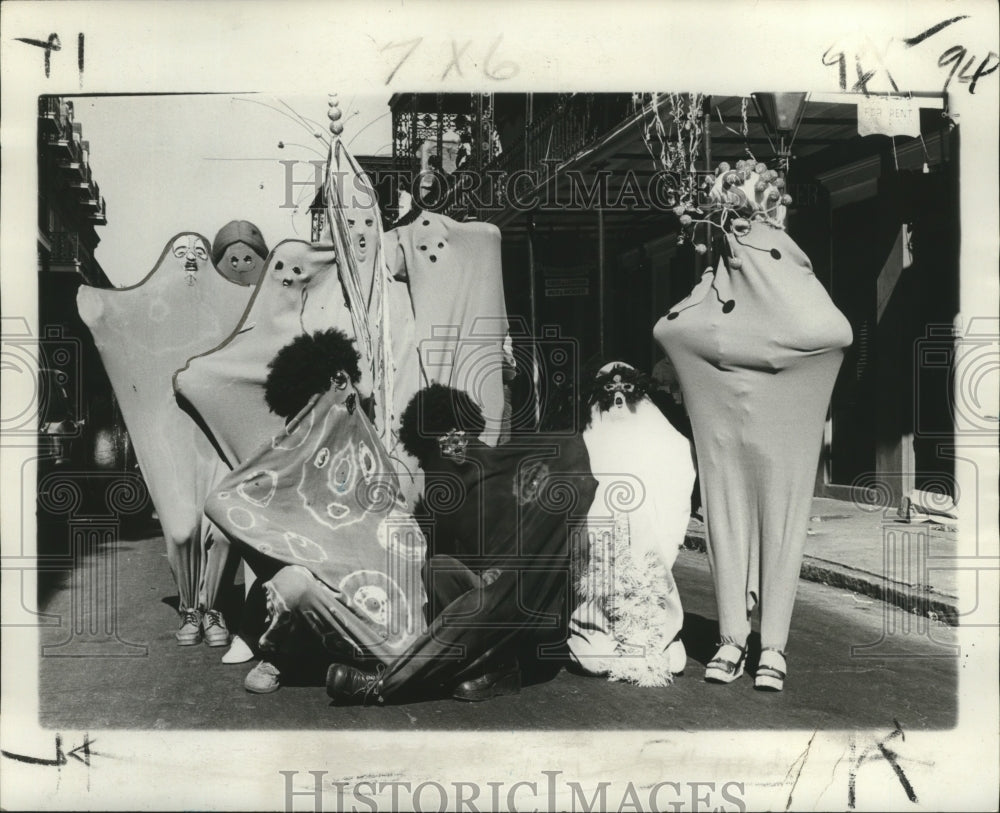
854, 662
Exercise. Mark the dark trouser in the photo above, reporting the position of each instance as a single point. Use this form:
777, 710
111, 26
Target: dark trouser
253, 619
482, 625
477, 626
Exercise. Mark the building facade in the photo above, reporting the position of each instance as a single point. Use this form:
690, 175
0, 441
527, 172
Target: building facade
591, 251
81, 428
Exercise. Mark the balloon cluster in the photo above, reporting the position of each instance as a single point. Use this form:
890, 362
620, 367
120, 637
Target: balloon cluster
735, 197
335, 115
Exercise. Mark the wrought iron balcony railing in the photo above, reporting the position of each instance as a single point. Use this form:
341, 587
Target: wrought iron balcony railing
55, 115
569, 125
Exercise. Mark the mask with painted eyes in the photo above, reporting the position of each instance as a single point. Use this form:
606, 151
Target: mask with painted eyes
364, 232
192, 252
453, 445
617, 385
617, 389
340, 381
241, 263
294, 265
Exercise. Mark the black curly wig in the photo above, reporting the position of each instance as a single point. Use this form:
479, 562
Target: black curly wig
435, 411
306, 366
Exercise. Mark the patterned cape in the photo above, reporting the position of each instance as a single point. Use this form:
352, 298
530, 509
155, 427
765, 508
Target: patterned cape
322, 495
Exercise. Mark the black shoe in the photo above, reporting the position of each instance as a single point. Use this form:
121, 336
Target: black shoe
503, 680
348, 685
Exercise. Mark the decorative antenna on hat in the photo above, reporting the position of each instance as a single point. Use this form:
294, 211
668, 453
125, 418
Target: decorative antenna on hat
334, 114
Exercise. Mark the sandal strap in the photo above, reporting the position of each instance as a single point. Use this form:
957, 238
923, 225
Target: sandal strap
771, 671
725, 664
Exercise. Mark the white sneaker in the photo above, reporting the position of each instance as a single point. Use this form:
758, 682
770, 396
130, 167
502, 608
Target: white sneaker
264, 678
239, 652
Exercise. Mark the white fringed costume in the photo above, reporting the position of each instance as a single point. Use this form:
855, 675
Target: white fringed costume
631, 610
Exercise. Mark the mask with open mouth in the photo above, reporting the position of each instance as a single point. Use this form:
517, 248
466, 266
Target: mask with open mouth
364, 232
192, 250
617, 388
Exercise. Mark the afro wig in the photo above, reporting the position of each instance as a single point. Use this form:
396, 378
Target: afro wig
309, 365
434, 411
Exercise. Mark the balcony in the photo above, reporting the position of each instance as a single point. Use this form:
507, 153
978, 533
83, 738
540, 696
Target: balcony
48, 114
72, 163
99, 217
75, 170
567, 125
55, 116
60, 146
65, 248
78, 173
91, 196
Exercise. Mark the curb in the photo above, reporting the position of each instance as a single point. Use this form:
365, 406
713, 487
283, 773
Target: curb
912, 598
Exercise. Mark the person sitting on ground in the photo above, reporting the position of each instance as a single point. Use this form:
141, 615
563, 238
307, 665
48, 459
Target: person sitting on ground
501, 522
318, 515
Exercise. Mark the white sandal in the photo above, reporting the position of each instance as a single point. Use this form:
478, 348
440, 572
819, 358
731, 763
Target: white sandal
727, 665
770, 676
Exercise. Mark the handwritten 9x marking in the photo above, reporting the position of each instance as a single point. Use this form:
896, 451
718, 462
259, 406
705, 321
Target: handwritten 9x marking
954, 56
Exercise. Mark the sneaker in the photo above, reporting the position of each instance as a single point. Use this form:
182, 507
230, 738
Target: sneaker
214, 626
239, 652
264, 678
190, 629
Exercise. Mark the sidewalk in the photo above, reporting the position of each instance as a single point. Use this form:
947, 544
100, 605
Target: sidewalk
876, 554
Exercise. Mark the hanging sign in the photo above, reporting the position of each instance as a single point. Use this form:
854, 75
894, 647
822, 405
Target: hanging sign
567, 280
889, 116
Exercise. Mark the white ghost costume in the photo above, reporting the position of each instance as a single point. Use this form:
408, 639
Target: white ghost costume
144, 334
299, 292
631, 610
460, 315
